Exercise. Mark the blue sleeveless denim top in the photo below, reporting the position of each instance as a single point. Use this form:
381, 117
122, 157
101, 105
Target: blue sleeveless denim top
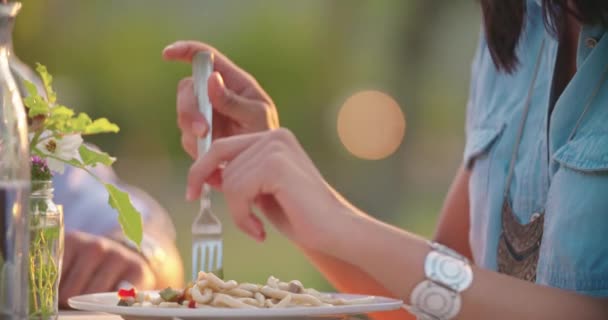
562, 164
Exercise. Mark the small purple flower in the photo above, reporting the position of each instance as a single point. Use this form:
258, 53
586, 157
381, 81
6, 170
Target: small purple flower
36, 160
40, 169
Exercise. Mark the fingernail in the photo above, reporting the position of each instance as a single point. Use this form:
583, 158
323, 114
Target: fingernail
189, 194
259, 235
254, 230
220, 79
199, 129
169, 47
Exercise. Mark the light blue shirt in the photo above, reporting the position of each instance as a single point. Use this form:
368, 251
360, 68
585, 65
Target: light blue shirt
86, 207
565, 178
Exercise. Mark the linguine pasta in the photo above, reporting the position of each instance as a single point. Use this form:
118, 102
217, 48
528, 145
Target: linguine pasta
210, 291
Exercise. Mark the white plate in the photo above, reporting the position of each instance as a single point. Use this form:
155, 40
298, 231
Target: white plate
106, 302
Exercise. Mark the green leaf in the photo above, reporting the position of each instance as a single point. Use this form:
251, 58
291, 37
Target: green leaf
62, 120
59, 120
34, 102
129, 218
47, 80
101, 125
91, 157
81, 122
61, 112
30, 88
36, 106
75, 163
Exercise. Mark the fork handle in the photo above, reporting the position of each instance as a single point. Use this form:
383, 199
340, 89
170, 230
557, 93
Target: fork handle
202, 67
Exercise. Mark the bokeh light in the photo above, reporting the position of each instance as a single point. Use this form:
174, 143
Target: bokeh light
371, 125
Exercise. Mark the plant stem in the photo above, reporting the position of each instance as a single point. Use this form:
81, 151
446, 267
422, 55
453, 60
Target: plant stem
74, 164
35, 139
43, 269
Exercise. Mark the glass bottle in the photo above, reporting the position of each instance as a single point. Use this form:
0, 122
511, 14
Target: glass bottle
14, 181
46, 251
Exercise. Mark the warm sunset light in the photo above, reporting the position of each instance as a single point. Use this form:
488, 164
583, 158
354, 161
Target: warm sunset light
371, 125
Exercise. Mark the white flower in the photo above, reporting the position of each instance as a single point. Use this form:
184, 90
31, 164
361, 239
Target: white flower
65, 148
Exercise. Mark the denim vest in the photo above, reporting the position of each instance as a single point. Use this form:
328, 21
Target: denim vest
562, 162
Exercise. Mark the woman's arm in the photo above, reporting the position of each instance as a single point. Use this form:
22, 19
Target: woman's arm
343, 276
313, 215
348, 278
453, 227
396, 257
452, 231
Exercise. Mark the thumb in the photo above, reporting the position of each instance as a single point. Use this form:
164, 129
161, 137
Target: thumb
243, 110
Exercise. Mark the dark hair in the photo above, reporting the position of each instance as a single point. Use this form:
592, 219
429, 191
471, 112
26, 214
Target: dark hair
504, 21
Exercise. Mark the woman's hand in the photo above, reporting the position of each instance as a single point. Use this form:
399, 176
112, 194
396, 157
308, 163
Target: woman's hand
270, 170
240, 105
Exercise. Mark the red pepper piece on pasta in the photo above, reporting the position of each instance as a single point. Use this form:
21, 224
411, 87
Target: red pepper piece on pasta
192, 304
123, 293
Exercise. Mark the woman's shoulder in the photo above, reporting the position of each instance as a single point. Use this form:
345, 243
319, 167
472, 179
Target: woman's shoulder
495, 94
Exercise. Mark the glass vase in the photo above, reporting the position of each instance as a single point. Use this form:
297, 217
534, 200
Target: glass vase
46, 252
14, 181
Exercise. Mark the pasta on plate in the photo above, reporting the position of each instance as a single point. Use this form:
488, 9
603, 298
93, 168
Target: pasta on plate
209, 291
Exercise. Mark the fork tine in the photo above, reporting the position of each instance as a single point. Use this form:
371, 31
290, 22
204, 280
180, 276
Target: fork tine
218, 265
195, 259
207, 256
211, 252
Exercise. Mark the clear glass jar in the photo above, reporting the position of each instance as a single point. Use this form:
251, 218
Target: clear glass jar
46, 251
14, 181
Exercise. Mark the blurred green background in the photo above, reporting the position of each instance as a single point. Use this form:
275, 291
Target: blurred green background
309, 56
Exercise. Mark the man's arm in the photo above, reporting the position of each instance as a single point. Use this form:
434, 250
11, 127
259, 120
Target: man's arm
158, 246
92, 227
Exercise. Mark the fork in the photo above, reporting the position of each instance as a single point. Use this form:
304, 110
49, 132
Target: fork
207, 229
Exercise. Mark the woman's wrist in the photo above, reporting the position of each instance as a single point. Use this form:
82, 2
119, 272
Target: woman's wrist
335, 233
384, 252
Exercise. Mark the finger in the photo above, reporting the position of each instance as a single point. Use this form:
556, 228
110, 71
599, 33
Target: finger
240, 194
241, 188
189, 144
69, 253
222, 150
215, 179
248, 160
140, 275
189, 119
106, 275
83, 267
263, 166
236, 78
269, 206
243, 110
